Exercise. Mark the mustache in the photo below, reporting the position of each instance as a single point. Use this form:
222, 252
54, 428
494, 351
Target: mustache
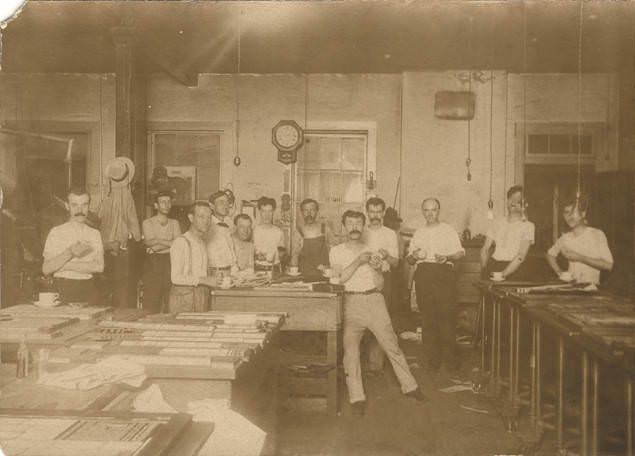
355, 232
79, 213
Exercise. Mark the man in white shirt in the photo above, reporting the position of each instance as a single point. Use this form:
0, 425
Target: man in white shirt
511, 238
268, 238
188, 264
73, 252
585, 247
159, 232
219, 245
364, 308
434, 248
383, 242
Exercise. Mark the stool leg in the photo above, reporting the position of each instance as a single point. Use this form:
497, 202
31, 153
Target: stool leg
585, 405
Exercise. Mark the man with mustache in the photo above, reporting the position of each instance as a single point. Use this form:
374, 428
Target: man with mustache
385, 247
310, 251
364, 308
434, 248
243, 244
268, 238
73, 252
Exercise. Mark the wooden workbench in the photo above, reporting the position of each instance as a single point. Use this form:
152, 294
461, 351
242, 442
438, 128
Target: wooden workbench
598, 327
306, 311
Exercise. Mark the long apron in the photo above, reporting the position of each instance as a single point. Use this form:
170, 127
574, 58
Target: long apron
314, 253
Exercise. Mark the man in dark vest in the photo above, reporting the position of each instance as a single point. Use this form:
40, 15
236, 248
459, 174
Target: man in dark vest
311, 244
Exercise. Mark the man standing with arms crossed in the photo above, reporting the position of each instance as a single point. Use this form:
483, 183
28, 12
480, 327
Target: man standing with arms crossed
364, 308
159, 232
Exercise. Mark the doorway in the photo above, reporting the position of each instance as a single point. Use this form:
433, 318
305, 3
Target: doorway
545, 187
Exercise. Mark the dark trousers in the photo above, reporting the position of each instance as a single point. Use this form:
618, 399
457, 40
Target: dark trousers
121, 280
435, 286
156, 282
77, 291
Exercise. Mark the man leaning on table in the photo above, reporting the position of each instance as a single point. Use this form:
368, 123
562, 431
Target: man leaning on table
188, 261
364, 308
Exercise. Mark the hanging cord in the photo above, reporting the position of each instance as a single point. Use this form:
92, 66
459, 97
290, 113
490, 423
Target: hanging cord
491, 130
237, 92
579, 157
468, 160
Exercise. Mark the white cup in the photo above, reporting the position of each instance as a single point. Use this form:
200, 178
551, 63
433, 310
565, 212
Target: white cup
497, 275
566, 276
226, 282
334, 280
293, 270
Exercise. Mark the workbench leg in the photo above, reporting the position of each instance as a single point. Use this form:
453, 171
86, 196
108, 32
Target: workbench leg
532, 376
493, 346
584, 423
560, 411
629, 416
512, 313
517, 356
594, 410
483, 345
539, 373
499, 342
331, 360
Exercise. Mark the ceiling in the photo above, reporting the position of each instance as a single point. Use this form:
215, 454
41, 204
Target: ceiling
324, 36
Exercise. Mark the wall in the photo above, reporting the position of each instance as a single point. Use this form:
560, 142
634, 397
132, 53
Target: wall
71, 102
435, 150
266, 99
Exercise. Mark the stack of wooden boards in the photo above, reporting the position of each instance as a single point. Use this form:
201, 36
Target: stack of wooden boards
36, 325
219, 340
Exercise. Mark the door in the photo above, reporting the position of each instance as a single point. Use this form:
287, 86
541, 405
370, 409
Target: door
545, 187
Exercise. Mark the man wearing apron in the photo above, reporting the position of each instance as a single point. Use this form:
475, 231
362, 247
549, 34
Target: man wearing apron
312, 242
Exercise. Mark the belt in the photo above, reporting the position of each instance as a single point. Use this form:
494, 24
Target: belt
367, 292
223, 268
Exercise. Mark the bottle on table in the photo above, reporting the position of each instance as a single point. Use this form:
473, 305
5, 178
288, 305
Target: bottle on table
22, 365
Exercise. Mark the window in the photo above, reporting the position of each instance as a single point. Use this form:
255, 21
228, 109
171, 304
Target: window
331, 169
557, 143
183, 152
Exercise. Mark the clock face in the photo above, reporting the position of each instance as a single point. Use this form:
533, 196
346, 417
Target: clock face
287, 136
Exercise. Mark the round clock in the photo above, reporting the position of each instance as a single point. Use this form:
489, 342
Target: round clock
287, 135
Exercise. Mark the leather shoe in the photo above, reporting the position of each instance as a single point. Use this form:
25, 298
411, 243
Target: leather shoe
418, 395
359, 408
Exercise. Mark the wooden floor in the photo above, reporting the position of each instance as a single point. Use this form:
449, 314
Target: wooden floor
396, 425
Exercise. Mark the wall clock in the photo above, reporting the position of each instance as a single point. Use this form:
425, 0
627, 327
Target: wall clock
287, 135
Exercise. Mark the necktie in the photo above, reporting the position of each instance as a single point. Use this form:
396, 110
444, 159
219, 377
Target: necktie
223, 224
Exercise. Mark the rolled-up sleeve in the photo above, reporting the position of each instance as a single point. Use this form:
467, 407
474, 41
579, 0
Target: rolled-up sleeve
181, 264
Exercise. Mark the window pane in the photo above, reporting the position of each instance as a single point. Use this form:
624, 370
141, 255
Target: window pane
353, 152
538, 144
560, 144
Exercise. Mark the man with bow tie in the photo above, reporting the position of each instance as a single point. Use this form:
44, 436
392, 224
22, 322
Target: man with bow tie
220, 255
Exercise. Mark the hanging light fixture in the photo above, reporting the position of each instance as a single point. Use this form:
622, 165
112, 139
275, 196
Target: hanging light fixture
579, 93
237, 160
490, 202
468, 159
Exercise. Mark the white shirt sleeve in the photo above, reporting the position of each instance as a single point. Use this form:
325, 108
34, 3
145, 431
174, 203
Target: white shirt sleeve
180, 263
529, 232
392, 244
602, 246
453, 241
53, 245
415, 242
556, 248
